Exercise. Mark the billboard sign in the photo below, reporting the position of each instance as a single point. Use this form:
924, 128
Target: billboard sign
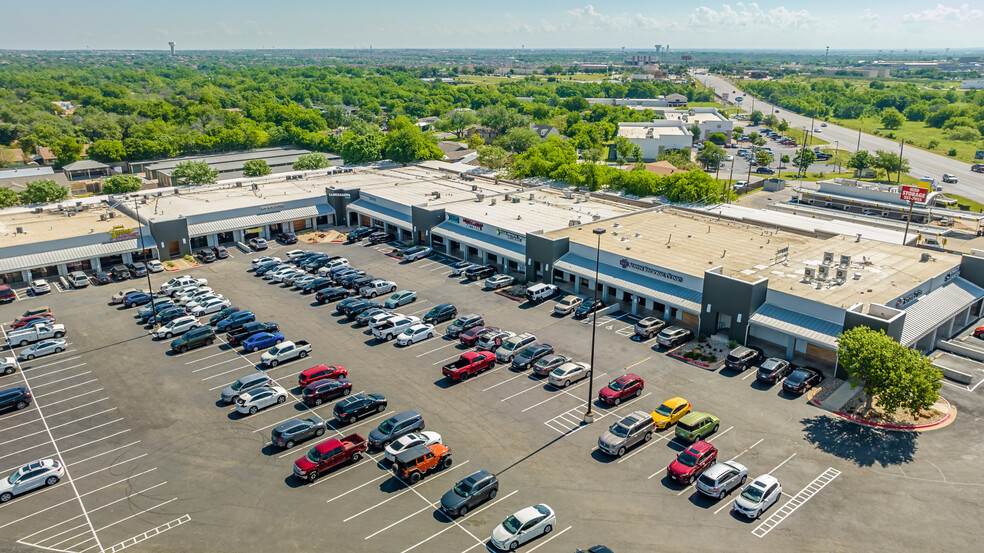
914, 194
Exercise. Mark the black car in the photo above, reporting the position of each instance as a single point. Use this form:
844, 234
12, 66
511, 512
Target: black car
463, 323
479, 272
237, 335
361, 232
469, 493
801, 380
214, 319
206, 256
316, 285
312, 261
362, 319
380, 237
137, 269
356, 308
587, 307
773, 370
119, 272
290, 433
347, 280
530, 355
358, 283
595, 549
340, 306
287, 238
159, 307
102, 277
742, 357
168, 315
268, 267
765, 171
202, 336
359, 406
441, 313
332, 294
220, 252
14, 398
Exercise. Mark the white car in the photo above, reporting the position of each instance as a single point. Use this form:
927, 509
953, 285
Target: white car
414, 334
7, 365
46, 472
416, 252
177, 282
758, 496
281, 271
118, 297
381, 318
210, 306
178, 326
459, 268
567, 305
495, 282
201, 300
414, 438
393, 327
261, 260
40, 286
261, 398
155, 266
564, 375
42, 348
294, 254
523, 526
188, 296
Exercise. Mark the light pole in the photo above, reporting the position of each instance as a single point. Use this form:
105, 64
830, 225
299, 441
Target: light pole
150, 289
588, 414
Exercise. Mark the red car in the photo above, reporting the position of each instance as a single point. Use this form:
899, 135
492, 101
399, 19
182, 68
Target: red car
320, 391
321, 372
979, 332
470, 336
691, 462
28, 320
621, 388
977, 167
469, 363
329, 453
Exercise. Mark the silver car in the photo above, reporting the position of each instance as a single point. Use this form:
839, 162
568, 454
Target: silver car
637, 427
245, 384
569, 372
42, 348
758, 496
499, 281
548, 363
720, 479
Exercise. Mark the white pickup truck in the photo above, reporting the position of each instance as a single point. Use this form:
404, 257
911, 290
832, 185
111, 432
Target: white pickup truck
35, 333
184, 280
285, 352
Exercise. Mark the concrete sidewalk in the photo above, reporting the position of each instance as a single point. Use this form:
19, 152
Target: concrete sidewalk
836, 400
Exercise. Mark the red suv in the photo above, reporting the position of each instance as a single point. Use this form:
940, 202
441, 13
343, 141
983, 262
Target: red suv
6, 294
321, 372
691, 462
621, 388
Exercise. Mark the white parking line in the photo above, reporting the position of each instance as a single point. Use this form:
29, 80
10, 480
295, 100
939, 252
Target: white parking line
67, 388
781, 464
207, 357
546, 541
138, 513
232, 370
36, 367
541, 385
565, 390
35, 446
21, 424
455, 343
409, 488
804, 495
425, 540
73, 421
503, 382
79, 407
112, 466
231, 359
95, 441
127, 498
58, 371
131, 444
36, 386
667, 437
428, 507
341, 495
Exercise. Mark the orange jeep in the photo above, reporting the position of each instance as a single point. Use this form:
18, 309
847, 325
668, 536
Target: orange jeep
412, 463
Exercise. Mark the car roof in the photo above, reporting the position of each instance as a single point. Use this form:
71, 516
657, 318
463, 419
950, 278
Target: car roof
400, 417
628, 377
701, 446
568, 366
528, 514
772, 362
412, 453
693, 417
764, 481
634, 417
717, 469
675, 402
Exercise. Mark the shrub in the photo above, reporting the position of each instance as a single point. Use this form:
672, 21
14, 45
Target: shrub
189, 259
933, 144
701, 339
732, 344
952, 152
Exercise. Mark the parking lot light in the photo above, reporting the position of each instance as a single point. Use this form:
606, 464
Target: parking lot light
150, 288
588, 414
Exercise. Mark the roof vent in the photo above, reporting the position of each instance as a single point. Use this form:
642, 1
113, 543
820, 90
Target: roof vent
19, 230
102, 216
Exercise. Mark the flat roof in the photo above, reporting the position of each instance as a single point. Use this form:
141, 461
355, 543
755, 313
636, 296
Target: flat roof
415, 185
699, 117
225, 167
548, 210
54, 225
266, 153
773, 218
650, 131
692, 243
216, 198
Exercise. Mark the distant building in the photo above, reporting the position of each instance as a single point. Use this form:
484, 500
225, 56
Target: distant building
662, 168
229, 165
67, 107
45, 156
668, 101
973, 84
17, 179
456, 151
431, 80
544, 130
13, 157
709, 120
86, 169
657, 136
485, 133
425, 123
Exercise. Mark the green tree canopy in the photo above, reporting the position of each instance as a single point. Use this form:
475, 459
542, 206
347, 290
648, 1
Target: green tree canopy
493, 157
518, 139
121, 184
8, 198
459, 120
42, 192
67, 149
892, 119
861, 160
107, 151
756, 117
308, 162
718, 138
711, 156
406, 143
259, 167
890, 162
804, 158
500, 118
194, 173
763, 158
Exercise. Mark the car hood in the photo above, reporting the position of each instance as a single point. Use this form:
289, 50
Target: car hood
746, 504
377, 436
304, 464
610, 438
607, 392
451, 500
660, 419
500, 534
676, 467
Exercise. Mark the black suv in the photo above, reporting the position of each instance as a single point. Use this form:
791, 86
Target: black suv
358, 406
203, 336
120, 272
331, 294
353, 309
463, 323
530, 355
237, 335
441, 313
137, 269
773, 370
316, 285
14, 398
287, 238
742, 357
587, 307
479, 272
358, 282
380, 237
360, 233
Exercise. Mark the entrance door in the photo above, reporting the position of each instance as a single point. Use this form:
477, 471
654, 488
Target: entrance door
174, 249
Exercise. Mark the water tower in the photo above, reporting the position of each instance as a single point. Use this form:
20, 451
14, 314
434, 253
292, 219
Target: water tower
171, 44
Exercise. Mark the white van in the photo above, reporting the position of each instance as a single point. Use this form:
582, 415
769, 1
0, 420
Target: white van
540, 292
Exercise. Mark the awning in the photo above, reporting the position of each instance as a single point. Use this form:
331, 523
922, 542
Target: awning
68, 255
656, 290
487, 242
931, 310
226, 225
381, 213
809, 328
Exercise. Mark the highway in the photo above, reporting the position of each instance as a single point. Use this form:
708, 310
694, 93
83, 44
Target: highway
923, 163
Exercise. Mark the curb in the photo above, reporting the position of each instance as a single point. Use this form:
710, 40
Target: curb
940, 422
513, 298
700, 364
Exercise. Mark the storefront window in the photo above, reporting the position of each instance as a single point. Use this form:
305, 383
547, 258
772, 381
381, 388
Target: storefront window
199, 242
225, 237
10, 278
85, 265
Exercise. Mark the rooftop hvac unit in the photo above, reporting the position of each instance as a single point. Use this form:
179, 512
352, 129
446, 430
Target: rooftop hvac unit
239, 184
810, 273
492, 202
532, 196
19, 230
845, 261
112, 214
253, 186
143, 200
828, 258
102, 216
474, 187
77, 204
574, 222
841, 274
516, 200
506, 197
595, 217
823, 272
481, 197
436, 194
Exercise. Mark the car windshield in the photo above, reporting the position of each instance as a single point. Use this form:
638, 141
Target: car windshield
664, 410
527, 353
511, 524
687, 459
13, 477
237, 385
275, 350
619, 430
753, 493
464, 488
615, 385
386, 427
313, 455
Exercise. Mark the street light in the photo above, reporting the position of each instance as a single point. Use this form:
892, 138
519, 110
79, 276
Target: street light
150, 288
588, 414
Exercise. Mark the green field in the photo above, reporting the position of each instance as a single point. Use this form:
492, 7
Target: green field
489, 79
918, 133
943, 84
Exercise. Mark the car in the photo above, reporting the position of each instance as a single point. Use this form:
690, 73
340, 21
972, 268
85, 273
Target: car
377, 287
493, 339
691, 462
42, 348
394, 427
765, 171
137, 269
546, 364
977, 167
356, 306
258, 244
40, 286
317, 285
588, 307
102, 277
670, 412
191, 294
401, 298
287, 238
696, 426
203, 336
331, 294
530, 355
263, 260
348, 280
303, 280
471, 336
321, 372
947, 177
247, 383
167, 315
359, 233
155, 266
463, 323
328, 454
568, 373
43, 473
32, 320
262, 340
441, 313
358, 406
596, 548
326, 389
801, 380
222, 314
416, 252
288, 276
363, 319
470, 492
393, 327
673, 336
220, 252
635, 428
206, 256
816, 130
358, 282
416, 333
523, 526
380, 237
78, 279
623, 387
979, 332
260, 398
478, 272
16, 398
773, 370
539, 292
410, 440
8, 365
178, 326
238, 318
648, 327
210, 306
499, 281
459, 268
279, 274
758, 496
742, 357
720, 479
238, 334
821, 124
295, 431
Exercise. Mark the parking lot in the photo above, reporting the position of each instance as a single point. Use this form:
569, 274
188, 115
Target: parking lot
156, 460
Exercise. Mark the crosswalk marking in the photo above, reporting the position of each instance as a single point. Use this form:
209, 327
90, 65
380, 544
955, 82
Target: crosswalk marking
796, 502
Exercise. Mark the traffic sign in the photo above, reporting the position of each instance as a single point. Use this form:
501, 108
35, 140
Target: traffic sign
914, 194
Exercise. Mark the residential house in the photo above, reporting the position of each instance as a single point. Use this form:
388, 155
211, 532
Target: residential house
425, 123
456, 151
544, 130
485, 133
45, 156
13, 157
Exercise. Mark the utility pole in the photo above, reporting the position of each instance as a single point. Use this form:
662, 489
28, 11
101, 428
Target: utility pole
901, 147
731, 176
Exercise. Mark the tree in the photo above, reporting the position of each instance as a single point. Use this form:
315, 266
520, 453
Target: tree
406, 143
122, 184
756, 117
518, 139
890, 162
892, 119
500, 118
625, 149
711, 156
361, 148
736, 133
8, 198
718, 138
493, 157
763, 158
783, 126
194, 173
695, 130
308, 162
475, 142
592, 155
804, 158
42, 192
899, 377
861, 160
459, 120
107, 151
783, 160
771, 121
68, 150
257, 168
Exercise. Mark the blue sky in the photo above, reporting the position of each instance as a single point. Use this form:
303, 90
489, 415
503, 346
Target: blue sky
633, 24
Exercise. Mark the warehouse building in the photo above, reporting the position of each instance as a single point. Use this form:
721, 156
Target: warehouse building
229, 165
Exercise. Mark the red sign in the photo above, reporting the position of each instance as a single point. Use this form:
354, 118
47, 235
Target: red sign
686, 58
914, 194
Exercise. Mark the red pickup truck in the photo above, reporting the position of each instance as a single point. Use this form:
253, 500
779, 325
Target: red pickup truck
468, 364
329, 454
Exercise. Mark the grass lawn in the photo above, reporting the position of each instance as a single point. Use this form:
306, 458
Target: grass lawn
971, 204
826, 175
918, 133
701, 105
798, 134
943, 84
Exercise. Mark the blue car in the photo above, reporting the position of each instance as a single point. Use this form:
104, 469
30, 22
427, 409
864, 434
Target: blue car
236, 319
263, 340
137, 298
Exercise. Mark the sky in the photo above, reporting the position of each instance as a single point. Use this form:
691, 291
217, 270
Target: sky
633, 24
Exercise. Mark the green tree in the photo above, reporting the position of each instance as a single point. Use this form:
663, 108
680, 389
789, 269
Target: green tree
736, 133
194, 173
308, 162
68, 150
892, 119
711, 156
861, 160
406, 143
695, 131
783, 126
756, 117
42, 192
257, 168
890, 162
8, 198
763, 158
459, 120
718, 138
493, 157
361, 148
107, 151
121, 184
625, 150
804, 158
783, 160
916, 112
592, 155
771, 121
897, 376
499, 118
475, 142
518, 139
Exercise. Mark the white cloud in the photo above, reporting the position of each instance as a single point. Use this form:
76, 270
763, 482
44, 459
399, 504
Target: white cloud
589, 18
751, 15
945, 14
869, 17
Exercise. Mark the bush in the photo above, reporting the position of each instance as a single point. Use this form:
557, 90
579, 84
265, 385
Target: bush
732, 344
952, 152
189, 259
701, 339
933, 144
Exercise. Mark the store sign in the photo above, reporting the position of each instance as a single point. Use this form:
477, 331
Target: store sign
454, 218
120, 232
906, 299
510, 235
952, 275
473, 224
626, 264
257, 229
271, 207
339, 195
914, 194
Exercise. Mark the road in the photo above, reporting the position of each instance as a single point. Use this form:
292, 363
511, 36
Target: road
923, 163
